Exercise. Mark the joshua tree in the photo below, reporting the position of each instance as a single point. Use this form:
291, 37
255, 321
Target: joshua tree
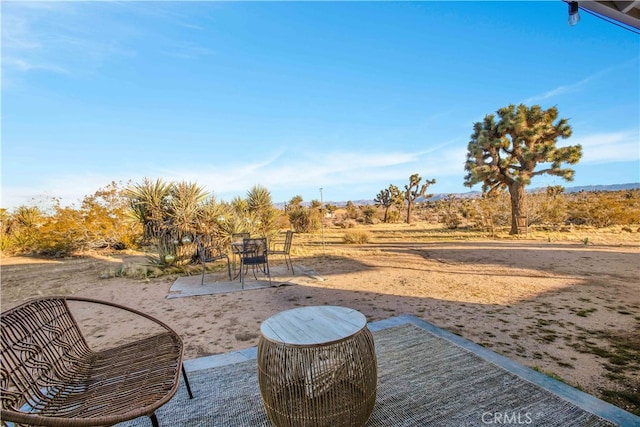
387, 198
506, 153
412, 193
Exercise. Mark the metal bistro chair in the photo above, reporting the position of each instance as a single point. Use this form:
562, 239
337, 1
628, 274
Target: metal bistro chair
210, 254
239, 237
255, 253
237, 240
285, 251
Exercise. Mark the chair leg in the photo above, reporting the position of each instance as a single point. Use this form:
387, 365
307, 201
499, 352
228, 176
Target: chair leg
154, 420
186, 382
234, 264
241, 274
229, 269
268, 272
291, 264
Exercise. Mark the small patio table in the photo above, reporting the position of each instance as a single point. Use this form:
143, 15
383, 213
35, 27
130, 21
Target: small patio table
317, 367
236, 250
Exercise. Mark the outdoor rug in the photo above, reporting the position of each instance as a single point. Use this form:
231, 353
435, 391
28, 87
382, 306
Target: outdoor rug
218, 283
423, 380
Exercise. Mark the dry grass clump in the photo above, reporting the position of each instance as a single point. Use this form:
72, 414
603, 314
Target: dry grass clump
356, 237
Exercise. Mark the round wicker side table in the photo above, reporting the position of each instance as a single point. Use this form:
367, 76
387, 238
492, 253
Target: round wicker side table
317, 367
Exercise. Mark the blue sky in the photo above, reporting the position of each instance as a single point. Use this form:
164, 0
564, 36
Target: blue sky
296, 96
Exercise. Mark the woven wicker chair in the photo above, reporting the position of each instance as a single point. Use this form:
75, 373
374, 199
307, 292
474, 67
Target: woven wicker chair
51, 377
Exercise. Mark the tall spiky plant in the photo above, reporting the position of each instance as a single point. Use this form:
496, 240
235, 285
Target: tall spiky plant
185, 205
183, 216
170, 213
217, 221
148, 202
231, 223
241, 219
262, 210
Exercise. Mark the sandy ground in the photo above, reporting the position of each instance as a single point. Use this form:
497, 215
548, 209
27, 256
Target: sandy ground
563, 308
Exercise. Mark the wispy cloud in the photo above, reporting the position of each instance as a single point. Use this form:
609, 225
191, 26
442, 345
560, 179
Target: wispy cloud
576, 87
301, 169
23, 64
560, 90
61, 37
289, 175
447, 162
285, 173
584, 83
609, 147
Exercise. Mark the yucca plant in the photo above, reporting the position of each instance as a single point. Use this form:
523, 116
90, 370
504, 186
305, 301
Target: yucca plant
148, 202
171, 214
231, 222
24, 226
185, 210
185, 205
262, 212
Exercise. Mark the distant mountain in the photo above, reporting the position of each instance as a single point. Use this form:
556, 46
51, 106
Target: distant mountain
470, 194
613, 187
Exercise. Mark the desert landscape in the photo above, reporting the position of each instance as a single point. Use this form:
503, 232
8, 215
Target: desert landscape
566, 304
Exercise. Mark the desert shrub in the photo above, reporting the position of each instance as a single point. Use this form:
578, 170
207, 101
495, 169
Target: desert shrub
304, 220
107, 221
450, 210
338, 218
451, 220
604, 208
352, 210
282, 221
393, 216
21, 229
596, 209
100, 222
356, 236
368, 213
492, 210
63, 233
345, 223
546, 207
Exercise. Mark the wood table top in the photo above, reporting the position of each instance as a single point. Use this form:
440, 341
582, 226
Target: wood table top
316, 325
